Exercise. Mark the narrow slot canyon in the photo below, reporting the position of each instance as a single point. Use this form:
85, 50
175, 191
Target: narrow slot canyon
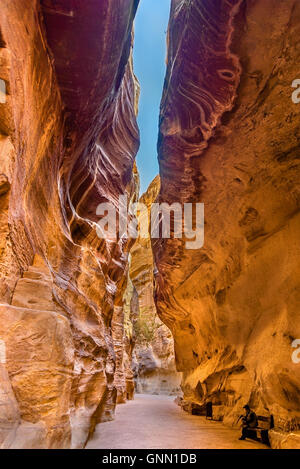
120, 329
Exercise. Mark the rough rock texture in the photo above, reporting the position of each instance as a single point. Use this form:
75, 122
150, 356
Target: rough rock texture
131, 312
154, 364
153, 355
229, 137
68, 141
281, 440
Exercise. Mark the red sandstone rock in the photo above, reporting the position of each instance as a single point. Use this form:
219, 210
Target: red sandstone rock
153, 354
68, 142
229, 137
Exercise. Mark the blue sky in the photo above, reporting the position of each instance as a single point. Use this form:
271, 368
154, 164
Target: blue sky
149, 56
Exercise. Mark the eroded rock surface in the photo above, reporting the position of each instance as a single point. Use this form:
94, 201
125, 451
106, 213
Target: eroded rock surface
229, 137
153, 355
68, 142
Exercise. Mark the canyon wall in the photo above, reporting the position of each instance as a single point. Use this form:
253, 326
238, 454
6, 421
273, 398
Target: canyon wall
68, 142
229, 138
153, 357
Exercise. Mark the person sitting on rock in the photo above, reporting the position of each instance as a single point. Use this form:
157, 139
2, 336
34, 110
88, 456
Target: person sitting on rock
249, 421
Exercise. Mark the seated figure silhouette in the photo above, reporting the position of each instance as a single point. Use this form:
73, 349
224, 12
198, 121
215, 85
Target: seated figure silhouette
249, 421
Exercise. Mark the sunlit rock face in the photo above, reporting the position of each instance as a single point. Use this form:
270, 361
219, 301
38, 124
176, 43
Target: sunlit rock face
130, 310
68, 142
153, 360
229, 137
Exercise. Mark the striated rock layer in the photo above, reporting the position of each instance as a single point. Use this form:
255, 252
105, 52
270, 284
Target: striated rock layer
153, 355
229, 137
68, 141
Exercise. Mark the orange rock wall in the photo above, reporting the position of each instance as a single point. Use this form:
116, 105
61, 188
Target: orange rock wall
153, 355
68, 142
229, 137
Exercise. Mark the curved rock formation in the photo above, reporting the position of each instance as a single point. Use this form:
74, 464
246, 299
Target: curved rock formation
153, 355
229, 137
153, 362
68, 142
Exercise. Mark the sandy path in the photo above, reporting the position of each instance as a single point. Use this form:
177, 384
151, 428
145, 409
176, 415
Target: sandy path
154, 422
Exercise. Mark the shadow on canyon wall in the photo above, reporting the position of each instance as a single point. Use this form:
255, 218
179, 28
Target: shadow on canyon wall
228, 137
